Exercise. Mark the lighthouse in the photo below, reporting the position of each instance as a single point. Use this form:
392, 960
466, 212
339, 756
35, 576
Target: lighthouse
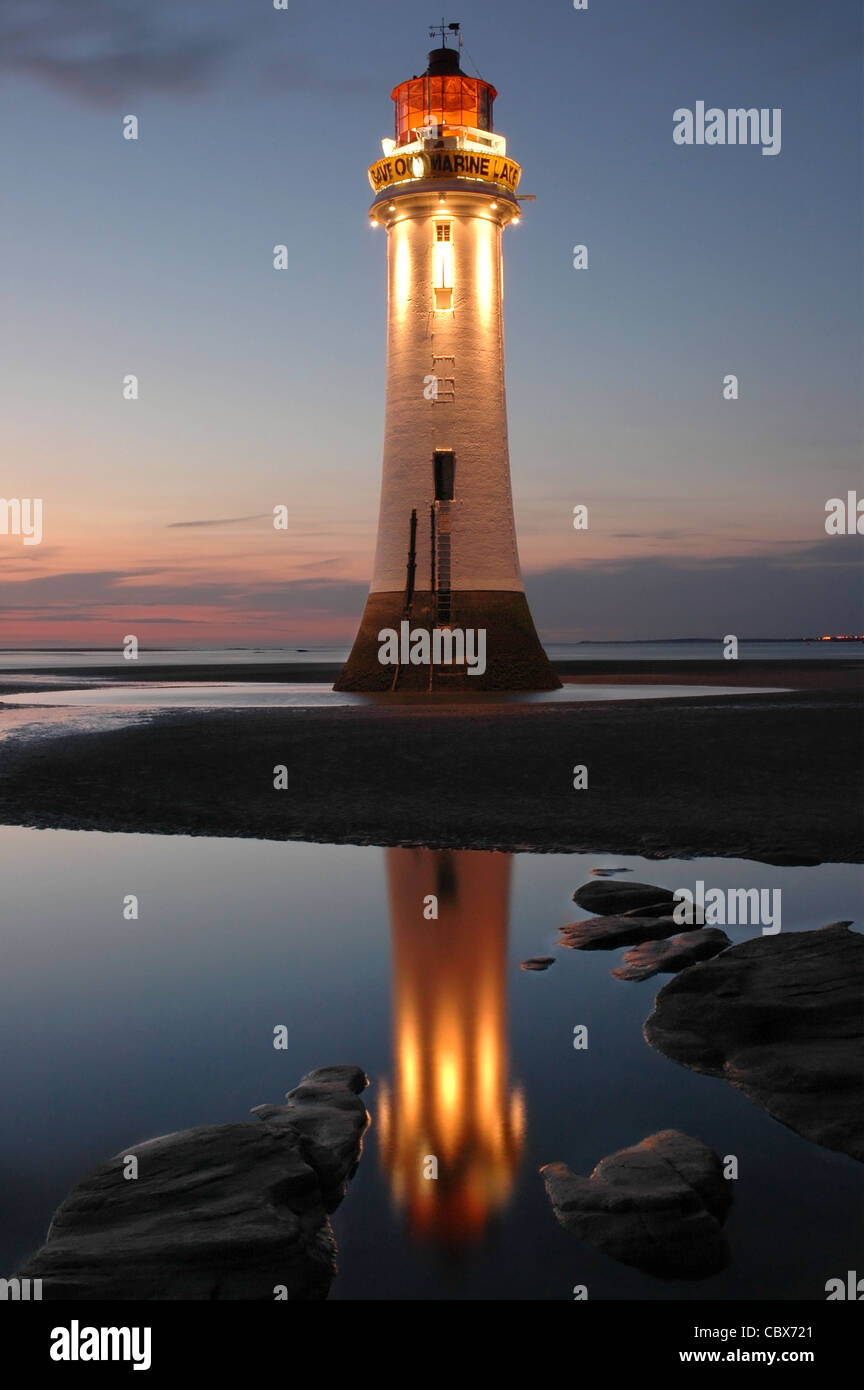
446, 609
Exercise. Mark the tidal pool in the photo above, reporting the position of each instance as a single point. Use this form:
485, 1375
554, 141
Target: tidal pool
115, 1030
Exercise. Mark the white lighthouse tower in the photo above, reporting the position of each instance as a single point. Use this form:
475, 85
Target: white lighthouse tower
446, 558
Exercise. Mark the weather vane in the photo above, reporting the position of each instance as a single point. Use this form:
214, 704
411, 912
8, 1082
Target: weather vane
444, 29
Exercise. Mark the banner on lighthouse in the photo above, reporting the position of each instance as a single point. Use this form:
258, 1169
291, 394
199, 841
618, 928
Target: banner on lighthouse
446, 164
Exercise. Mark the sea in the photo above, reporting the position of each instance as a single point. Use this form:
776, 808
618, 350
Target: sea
679, 649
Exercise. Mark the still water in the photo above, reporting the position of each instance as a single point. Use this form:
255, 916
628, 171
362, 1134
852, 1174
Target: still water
256, 695
121, 1031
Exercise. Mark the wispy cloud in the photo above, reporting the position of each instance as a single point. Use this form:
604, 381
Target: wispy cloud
108, 51
103, 49
141, 588
221, 521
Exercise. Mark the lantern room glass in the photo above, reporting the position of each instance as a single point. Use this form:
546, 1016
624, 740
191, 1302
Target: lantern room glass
448, 100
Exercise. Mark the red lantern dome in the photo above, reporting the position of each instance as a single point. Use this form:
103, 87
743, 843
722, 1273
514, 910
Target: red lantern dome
444, 96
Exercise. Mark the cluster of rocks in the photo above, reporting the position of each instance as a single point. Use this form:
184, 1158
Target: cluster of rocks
633, 914
659, 1205
638, 915
777, 1016
234, 1211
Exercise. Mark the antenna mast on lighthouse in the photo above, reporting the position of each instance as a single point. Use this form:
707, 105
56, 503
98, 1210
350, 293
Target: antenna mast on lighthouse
444, 29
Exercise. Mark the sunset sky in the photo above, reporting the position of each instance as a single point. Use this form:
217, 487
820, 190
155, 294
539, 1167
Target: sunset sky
261, 387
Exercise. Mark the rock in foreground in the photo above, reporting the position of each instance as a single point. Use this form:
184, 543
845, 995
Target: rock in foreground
667, 957
605, 933
779, 1017
229, 1211
659, 1206
606, 896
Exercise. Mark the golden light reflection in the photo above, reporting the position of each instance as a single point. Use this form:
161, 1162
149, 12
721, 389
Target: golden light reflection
450, 1099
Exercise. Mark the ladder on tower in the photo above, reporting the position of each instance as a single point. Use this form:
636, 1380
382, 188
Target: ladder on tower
442, 590
441, 564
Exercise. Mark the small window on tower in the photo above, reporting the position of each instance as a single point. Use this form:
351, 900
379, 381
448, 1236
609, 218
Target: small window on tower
442, 257
445, 467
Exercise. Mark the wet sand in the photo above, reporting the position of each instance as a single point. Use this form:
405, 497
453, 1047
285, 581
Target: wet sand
768, 777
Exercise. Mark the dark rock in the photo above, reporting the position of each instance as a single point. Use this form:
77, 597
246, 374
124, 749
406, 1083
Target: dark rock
605, 933
607, 897
537, 963
352, 1078
604, 873
780, 1018
216, 1212
659, 1205
783, 857
666, 957
654, 910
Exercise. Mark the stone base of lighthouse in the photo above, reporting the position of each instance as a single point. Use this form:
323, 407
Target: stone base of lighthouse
515, 659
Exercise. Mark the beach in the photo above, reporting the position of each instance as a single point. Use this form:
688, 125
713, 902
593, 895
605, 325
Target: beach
769, 777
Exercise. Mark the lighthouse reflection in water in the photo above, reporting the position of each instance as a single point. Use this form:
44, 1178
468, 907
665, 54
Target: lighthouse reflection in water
450, 1110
